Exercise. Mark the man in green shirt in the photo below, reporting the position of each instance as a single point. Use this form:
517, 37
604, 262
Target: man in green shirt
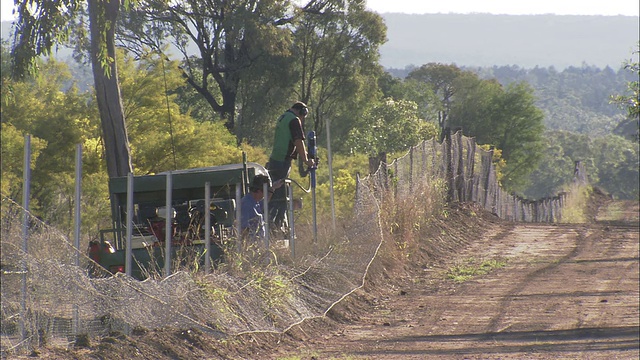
288, 143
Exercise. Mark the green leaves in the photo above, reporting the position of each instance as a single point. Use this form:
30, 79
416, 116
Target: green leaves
631, 100
391, 126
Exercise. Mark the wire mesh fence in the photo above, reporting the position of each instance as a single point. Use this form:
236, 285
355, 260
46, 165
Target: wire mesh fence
48, 297
469, 174
49, 300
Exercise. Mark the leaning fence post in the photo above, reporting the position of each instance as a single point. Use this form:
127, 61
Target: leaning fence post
238, 215
411, 168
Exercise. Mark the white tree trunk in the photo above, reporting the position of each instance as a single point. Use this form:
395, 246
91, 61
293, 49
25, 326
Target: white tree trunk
102, 17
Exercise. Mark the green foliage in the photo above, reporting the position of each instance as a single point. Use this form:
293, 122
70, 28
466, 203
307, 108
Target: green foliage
471, 268
335, 53
504, 117
555, 170
631, 100
389, 127
40, 25
264, 94
616, 160
13, 158
575, 99
611, 163
57, 119
231, 37
441, 79
163, 138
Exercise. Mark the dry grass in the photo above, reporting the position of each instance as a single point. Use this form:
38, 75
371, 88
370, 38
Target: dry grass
574, 211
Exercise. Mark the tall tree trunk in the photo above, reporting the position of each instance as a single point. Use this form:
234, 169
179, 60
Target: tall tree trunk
102, 19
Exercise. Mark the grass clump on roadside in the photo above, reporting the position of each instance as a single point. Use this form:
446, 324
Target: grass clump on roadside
472, 268
574, 211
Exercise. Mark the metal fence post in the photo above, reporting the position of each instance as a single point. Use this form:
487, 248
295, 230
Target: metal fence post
207, 227
128, 262
168, 231
76, 227
26, 186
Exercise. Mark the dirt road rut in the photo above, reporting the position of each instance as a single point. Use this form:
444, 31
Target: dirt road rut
555, 291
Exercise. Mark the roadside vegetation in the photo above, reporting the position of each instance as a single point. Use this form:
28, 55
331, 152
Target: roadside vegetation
471, 268
174, 121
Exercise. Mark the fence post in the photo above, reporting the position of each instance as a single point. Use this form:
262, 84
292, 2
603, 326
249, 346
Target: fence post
470, 168
207, 227
459, 179
128, 250
488, 164
238, 224
168, 231
411, 168
424, 159
26, 186
76, 237
446, 154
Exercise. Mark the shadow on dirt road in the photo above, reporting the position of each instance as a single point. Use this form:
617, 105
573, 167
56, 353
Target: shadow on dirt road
565, 291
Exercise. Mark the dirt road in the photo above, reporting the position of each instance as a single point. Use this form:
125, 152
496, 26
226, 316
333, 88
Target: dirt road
551, 291
514, 291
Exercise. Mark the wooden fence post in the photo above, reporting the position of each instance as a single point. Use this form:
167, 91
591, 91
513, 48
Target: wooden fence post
449, 165
459, 177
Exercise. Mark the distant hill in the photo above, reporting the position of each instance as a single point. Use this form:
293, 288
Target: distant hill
487, 40
524, 40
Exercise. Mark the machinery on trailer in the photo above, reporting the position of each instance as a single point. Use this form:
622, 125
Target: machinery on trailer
167, 213
186, 215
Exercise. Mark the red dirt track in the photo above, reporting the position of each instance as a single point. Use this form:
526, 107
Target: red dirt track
566, 291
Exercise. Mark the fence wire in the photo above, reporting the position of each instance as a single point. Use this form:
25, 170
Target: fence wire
61, 301
49, 300
470, 175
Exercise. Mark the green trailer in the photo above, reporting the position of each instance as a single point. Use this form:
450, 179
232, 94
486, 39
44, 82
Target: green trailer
227, 183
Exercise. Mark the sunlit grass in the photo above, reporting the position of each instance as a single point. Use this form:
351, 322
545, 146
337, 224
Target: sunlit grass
471, 268
574, 211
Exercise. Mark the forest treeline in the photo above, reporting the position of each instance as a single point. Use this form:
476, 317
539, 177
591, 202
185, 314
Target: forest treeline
208, 108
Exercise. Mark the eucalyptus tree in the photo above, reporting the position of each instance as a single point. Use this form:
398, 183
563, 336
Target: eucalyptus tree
246, 56
630, 100
390, 126
441, 78
336, 54
42, 24
218, 41
162, 136
505, 117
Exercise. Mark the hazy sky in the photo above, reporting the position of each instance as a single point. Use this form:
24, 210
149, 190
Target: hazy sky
514, 7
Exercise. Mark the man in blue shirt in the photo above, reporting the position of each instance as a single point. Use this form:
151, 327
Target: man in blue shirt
252, 212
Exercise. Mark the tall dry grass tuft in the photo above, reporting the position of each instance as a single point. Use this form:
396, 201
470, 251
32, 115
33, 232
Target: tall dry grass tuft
406, 216
575, 207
